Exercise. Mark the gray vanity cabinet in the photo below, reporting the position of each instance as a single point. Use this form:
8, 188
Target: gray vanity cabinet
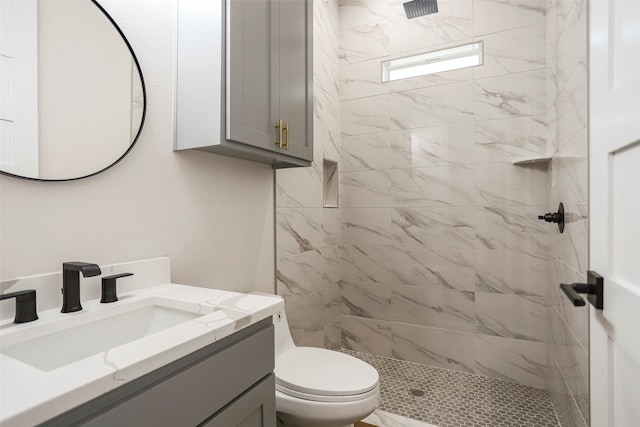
228, 384
244, 79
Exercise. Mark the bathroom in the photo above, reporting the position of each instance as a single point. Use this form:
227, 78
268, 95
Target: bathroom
425, 250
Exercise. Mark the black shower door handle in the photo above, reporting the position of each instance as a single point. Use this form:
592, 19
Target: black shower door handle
594, 288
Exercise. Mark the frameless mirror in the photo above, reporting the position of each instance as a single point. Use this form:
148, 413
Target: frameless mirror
72, 97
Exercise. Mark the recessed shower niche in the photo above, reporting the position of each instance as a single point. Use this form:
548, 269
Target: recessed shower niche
329, 184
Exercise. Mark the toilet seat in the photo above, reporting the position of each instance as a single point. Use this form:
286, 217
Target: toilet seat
323, 398
321, 375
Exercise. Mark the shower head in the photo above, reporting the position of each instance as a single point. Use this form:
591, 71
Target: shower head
417, 8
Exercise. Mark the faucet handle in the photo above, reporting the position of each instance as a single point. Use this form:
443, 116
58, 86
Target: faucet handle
25, 305
109, 287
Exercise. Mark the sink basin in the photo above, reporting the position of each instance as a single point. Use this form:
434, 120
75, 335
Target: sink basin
53, 349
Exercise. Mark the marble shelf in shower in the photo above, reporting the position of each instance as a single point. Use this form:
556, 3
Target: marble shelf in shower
542, 159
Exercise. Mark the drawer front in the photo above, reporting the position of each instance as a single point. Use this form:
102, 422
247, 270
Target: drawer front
192, 395
255, 408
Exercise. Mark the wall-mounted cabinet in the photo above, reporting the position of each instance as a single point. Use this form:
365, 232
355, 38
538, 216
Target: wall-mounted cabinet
244, 79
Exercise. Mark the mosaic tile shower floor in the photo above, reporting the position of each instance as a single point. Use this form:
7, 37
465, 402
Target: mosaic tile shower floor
456, 399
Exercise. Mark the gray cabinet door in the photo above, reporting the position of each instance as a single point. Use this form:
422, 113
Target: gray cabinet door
296, 69
256, 408
252, 76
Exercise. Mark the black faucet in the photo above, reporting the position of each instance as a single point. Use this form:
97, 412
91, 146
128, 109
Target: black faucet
71, 283
25, 305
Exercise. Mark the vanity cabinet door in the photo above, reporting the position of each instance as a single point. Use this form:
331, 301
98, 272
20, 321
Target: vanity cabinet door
256, 408
296, 69
252, 51
191, 391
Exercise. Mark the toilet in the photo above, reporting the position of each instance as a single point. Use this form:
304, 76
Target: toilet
316, 387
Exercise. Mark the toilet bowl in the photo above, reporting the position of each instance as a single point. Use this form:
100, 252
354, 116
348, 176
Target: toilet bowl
316, 387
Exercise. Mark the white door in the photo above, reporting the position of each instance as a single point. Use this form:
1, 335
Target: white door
19, 87
614, 205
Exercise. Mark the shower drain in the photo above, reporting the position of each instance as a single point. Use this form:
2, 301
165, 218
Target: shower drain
416, 392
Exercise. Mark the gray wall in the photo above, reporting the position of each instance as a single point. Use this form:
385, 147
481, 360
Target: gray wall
212, 215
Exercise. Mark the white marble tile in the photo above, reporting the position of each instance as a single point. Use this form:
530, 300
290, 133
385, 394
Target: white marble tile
433, 106
299, 230
366, 335
364, 42
329, 79
511, 95
438, 308
329, 337
435, 186
569, 171
331, 226
318, 56
354, 13
311, 313
503, 184
330, 148
513, 360
366, 226
572, 95
513, 316
490, 16
511, 228
506, 139
565, 125
331, 37
362, 79
305, 273
434, 227
453, 22
326, 27
366, 115
431, 346
433, 146
512, 51
572, 360
571, 247
365, 189
434, 268
571, 44
327, 110
298, 187
366, 299
366, 152
365, 264
509, 272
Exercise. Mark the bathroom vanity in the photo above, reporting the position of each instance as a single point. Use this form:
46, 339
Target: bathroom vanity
163, 356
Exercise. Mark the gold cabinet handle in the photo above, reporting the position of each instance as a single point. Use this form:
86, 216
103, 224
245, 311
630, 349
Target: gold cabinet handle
286, 138
279, 127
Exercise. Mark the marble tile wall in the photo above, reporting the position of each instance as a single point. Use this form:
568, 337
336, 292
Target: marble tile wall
568, 335
443, 259
308, 235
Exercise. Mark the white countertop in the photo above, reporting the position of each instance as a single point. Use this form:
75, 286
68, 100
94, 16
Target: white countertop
29, 396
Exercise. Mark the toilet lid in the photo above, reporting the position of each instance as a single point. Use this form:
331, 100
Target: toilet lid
324, 372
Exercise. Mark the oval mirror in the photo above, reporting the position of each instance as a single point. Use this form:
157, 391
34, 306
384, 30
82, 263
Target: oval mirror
72, 96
